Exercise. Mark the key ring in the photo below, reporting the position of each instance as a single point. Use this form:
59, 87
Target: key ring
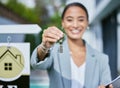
8, 41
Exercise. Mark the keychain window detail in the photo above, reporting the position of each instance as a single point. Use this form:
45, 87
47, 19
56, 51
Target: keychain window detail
8, 66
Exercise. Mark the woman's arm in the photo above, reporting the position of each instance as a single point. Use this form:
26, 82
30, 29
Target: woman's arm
39, 58
38, 63
42, 52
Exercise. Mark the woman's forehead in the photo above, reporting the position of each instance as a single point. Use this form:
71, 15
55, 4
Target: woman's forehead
75, 10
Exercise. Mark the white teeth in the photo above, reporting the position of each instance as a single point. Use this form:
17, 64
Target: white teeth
75, 31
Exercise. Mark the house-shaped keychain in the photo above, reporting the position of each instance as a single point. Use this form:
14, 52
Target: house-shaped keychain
11, 62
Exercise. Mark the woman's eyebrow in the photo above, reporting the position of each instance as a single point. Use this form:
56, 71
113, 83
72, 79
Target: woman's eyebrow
73, 17
81, 17
69, 17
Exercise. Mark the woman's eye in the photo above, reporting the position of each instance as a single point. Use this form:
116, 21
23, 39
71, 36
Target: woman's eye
69, 20
81, 19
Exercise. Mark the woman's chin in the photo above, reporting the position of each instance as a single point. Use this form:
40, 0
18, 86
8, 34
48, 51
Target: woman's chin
76, 37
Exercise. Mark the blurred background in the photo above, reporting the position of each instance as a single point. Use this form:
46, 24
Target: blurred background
103, 33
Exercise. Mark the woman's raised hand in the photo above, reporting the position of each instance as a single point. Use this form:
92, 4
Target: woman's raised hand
51, 35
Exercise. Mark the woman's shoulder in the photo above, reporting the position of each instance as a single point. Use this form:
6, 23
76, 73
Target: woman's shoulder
99, 53
96, 53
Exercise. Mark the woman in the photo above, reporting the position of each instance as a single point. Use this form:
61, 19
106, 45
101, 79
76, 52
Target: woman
71, 63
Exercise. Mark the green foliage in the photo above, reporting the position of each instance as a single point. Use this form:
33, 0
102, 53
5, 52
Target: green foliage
55, 20
33, 16
31, 39
26, 13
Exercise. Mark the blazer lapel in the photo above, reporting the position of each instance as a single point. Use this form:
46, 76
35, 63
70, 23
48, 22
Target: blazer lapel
64, 59
90, 66
65, 65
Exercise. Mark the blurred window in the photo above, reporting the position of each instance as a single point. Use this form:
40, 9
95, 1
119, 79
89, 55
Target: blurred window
118, 38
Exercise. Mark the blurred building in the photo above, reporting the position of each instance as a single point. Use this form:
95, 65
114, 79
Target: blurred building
105, 30
103, 33
9, 17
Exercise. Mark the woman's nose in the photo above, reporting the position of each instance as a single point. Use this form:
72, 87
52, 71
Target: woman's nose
75, 24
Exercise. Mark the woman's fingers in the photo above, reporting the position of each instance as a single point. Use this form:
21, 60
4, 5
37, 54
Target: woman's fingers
51, 35
55, 31
101, 86
58, 32
110, 86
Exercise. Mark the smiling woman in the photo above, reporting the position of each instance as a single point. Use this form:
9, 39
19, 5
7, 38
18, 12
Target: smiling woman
78, 65
76, 23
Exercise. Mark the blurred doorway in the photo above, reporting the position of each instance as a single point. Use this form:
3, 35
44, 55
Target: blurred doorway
109, 32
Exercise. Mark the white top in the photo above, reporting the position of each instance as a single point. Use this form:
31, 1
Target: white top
78, 75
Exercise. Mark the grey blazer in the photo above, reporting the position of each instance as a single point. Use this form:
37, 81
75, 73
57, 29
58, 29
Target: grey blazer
59, 69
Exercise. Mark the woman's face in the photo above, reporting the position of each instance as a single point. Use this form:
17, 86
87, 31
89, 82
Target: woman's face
75, 22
